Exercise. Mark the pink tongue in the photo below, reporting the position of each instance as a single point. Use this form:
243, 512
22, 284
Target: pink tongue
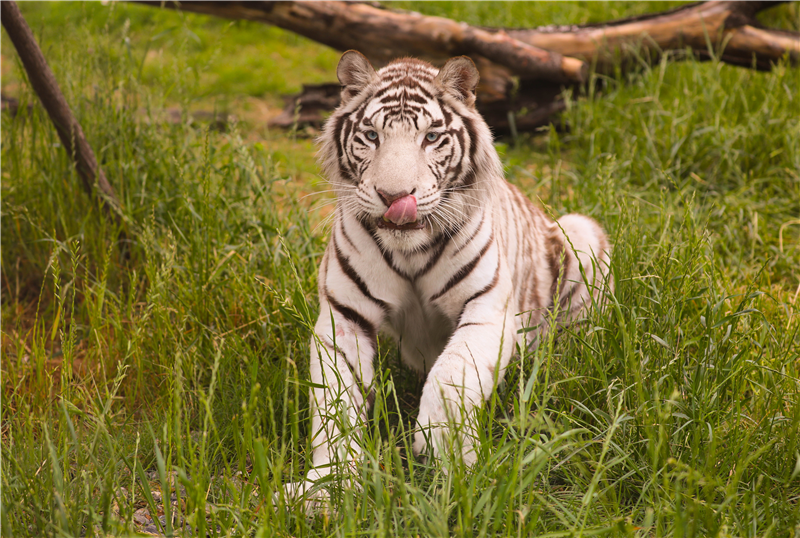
402, 211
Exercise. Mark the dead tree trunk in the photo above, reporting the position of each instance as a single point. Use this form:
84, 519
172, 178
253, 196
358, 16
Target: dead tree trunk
69, 130
523, 70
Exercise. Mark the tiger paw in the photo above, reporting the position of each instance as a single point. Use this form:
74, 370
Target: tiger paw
445, 428
313, 495
315, 491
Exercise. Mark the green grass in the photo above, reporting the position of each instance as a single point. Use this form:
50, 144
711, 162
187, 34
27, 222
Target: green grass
191, 56
175, 364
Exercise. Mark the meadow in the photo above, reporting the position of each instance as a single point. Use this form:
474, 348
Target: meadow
164, 370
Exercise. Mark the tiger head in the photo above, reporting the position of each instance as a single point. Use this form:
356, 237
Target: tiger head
409, 155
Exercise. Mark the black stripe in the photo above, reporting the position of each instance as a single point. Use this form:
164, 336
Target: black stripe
471, 237
554, 264
345, 165
351, 315
469, 177
486, 289
465, 270
517, 247
469, 324
337, 137
442, 240
531, 250
533, 281
351, 273
387, 256
413, 97
347, 237
406, 82
473, 138
457, 135
338, 351
459, 167
448, 116
400, 108
325, 260
343, 129
565, 300
534, 299
567, 262
370, 398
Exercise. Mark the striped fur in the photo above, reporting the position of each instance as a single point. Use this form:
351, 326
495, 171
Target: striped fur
454, 293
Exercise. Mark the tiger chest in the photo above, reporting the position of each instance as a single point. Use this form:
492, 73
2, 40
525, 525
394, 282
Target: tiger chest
420, 328
426, 310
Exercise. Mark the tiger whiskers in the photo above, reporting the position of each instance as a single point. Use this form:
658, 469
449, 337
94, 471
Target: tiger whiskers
347, 205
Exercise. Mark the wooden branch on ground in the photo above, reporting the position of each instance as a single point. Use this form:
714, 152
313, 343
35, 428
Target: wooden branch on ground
385, 34
515, 64
728, 29
69, 130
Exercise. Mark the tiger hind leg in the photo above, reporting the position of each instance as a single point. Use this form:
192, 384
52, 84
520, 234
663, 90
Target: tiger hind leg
583, 278
585, 272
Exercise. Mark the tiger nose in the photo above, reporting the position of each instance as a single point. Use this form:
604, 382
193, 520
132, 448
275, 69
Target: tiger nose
389, 198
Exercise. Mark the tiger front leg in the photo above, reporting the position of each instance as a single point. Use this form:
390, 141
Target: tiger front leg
465, 375
341, 370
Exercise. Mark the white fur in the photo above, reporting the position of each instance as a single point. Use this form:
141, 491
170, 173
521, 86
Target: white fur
461, 336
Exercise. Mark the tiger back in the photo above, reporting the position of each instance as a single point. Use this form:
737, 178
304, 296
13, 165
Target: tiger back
431, 246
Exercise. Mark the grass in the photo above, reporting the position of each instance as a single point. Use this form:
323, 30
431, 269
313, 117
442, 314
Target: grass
173, 366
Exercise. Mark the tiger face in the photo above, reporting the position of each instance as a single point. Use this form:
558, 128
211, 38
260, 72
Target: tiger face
404, 148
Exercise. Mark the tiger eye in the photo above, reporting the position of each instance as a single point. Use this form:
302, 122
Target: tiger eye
431, 137
372, 135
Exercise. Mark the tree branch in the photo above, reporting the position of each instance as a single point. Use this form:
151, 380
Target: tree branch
386, 34
69, 130
523, 70
728, 28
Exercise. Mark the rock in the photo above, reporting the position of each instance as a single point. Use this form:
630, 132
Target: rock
152, 530
142, 516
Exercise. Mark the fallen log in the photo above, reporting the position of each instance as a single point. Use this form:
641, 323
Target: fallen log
523, 70
727, 29
386, 34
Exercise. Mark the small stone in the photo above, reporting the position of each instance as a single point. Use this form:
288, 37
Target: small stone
142, 516
151, 530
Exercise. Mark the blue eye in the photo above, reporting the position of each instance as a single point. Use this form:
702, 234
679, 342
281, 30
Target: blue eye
372, 135
431, 137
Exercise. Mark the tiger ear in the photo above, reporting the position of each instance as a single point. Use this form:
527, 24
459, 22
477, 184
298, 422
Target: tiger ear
460, 77
354, 72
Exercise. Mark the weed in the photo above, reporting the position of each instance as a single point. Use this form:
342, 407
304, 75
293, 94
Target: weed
165, 389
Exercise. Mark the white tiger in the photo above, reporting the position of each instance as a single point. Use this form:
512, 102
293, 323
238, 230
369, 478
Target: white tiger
432, 246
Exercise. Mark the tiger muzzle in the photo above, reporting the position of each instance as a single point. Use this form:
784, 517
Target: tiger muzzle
402, 215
